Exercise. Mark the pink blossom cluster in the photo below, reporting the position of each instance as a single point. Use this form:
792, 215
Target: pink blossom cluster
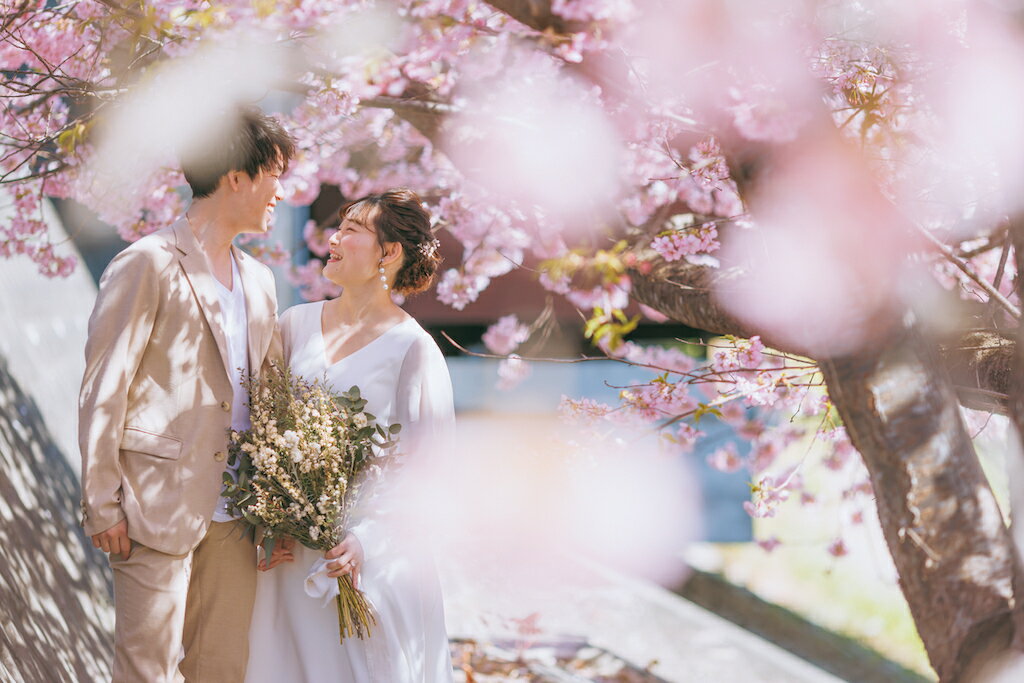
512, 371
26, 235
744, 355
686, 436
726, 459
28, 238
842, 450
313, 286
505, 336
316, 238
677, 244
660, 358
759, 113
583, 411
837, 548
458, 290
271, 254
610, 296
659, 400
708, 165
768, 494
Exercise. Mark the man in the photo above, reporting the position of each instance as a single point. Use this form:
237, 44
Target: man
181, 315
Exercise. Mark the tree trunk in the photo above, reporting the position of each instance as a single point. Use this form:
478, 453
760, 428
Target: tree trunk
956, 560
1015, 391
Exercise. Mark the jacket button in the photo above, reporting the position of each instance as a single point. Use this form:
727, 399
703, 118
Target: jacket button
225, 406
219, 456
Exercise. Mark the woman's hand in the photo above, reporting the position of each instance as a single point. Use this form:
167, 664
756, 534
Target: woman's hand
348, 558
282, 553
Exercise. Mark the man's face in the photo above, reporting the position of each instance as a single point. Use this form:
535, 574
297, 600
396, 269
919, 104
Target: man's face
257, 198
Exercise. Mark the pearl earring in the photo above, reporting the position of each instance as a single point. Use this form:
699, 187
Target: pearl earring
383, 277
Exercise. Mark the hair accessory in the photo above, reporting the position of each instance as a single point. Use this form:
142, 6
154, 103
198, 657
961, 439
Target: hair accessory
430, 247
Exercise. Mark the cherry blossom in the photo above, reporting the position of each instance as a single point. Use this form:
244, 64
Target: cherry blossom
512, 371
505, 336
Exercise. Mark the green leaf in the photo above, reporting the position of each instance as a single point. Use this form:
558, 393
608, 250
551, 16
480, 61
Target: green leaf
268, 546
703, 409
69, 139
395, 428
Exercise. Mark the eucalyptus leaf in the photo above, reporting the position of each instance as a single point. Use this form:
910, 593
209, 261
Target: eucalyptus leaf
268, 546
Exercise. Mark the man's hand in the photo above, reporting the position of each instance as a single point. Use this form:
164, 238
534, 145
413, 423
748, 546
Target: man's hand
114, 540
283, 552
349, 559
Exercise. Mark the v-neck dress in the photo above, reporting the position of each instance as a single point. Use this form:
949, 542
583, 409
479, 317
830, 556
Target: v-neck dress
294, 637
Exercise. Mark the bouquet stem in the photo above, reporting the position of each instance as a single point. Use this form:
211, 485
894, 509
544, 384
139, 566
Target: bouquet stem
355, 616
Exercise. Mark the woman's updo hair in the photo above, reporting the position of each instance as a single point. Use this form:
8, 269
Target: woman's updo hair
400, 217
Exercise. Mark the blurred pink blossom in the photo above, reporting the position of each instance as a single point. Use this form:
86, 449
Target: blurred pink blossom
512, 371
316, 238
458, 289
725, 459
583, 410
505, 336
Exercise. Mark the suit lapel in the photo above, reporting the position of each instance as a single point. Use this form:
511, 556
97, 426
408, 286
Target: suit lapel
258, 308
197, 270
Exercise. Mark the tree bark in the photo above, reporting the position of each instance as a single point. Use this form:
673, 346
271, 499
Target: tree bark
1016, 409
536, 14
956, 559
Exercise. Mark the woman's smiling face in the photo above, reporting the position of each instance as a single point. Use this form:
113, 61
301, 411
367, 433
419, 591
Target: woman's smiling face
355, 252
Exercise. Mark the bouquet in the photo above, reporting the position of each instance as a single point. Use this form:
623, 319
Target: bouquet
301, 467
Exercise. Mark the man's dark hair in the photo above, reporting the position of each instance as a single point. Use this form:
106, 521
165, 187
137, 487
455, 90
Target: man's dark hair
257, 143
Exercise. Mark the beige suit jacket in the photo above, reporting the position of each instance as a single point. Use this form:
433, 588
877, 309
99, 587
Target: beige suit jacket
155, 405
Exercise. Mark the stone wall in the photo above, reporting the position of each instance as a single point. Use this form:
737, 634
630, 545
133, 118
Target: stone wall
56, 613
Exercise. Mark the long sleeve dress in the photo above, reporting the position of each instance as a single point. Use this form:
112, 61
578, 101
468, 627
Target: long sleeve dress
293, 636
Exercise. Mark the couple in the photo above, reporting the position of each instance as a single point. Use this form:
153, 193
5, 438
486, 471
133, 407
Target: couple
180, 316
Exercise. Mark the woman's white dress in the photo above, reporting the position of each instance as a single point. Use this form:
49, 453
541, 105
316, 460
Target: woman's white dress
294, 637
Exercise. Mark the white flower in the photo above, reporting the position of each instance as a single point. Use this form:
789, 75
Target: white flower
291, 439
297, 454
360, 420
314, 533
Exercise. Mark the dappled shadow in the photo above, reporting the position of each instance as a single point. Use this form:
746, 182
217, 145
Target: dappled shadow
56, 614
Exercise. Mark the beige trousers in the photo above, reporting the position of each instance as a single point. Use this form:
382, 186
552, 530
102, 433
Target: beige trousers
201, 601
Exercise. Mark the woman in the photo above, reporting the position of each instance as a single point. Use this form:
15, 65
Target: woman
363, 338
